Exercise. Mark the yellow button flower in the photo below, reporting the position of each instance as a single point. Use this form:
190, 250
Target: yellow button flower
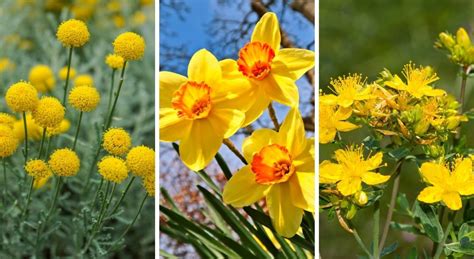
64, 162
447, 185
271, 71
73, 33
130, 46
84, 98
149, 184
281, 168
332, 120
63, 127
347, 89
8, 141
351, 170
7, 119
49, 112
21, 97
141, 161
84, 79
40, 182
63, 73
37, 168
200, 110
113, 169
114, 61
42, 78
117, 141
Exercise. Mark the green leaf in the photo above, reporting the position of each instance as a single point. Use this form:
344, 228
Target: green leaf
223, 165
464, 246
429, 220
389, 249
413, 254
403, 204
405, 228
464, 230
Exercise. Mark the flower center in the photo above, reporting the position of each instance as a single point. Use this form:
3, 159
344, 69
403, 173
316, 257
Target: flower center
273, 164
255, 60
192, 100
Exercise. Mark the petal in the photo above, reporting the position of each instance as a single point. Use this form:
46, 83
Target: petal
345, 126
452, 200
434, 173
172, 127
349, 186
329, 172
169, 83
343, 113
286, 218
200, 146
230, 69
298, 61
304, 162
268, 30
302, 190
232, 94
255, 142
326, 135
431, 194
292, 132
242, 189
204, 67
329, 99
433, 92
259, 102
396, 83
374, 161
463, 171
466, 188
226, 120
281, 89
374, 178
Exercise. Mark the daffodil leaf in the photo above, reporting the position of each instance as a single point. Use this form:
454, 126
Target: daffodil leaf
429, 220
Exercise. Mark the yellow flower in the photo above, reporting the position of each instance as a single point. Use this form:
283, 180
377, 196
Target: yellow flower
114, 61
34, 130
6, 64
447, 185
63, 73
281, 169
113, 169
269, 70
130, 46
63, 127
200, 110
119, 21
8, 141
73, 33
49, 112
141, 161
84, 98
347, 89
462, 38
37, 168
7, 119
117, 141
149, 184
84, 79
42, 78
64, 162
138, 18
332, 120
40, 182
418, 80
21, 97
351, 170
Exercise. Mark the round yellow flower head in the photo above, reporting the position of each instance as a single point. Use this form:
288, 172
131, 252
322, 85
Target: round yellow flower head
63, 127
63, 73
64, 162
21, 97
114, 61
73, 33
84, 98
113, 169
149, 184
84, 79
49, 112
42, 78
40, 182
119, 21
130, 46
37, 168
8, 141
7, 119
117, 141
141, 161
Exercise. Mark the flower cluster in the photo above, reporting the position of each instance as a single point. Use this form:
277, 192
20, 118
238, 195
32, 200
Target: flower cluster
459, 47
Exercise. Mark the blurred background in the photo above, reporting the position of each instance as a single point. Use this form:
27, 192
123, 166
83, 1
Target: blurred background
366, 37
222, 27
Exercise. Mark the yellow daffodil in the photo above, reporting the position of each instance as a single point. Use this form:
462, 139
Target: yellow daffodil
347, 89
351, 170
281, 168
332, 120
446, 185
418, 81
201, 110
271, 71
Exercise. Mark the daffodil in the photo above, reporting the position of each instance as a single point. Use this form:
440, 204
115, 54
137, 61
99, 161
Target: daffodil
331, 120
200, 110
271, 71
418, 81
447, 185
281, 169
347, 89
351, 170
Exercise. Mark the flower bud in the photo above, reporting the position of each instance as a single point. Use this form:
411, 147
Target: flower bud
422, 127
463, 38
447, 40
351, 212
361, 198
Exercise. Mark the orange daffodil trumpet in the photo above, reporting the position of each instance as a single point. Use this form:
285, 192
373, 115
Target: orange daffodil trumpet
271, 71
200, 110
281, 168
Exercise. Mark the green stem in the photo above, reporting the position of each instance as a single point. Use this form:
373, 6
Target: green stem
42, 143
67, 76
5, 189
273, 117
376, 226
97, 192
28, 198
111, 114
91, 169
465, 72
440, 247
117, 204
77, 131
25, 128
360, 242
48, 146
111, 92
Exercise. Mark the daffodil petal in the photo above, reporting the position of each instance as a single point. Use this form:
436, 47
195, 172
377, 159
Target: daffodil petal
169, 83
297, 61
172, 127
267, 30
431, 194
230, 69
302, 190
434, 173
255, 142
204, 67
349, 186
374, 178
242, 189
281, 89
292, 132
286, 218
452, 200
233, 93
258, 104
329, 172
226, 120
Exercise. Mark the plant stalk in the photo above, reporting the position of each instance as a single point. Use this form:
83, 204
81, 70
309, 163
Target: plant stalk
273, 117
67, 76
25, 128
234, 150
77, 131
